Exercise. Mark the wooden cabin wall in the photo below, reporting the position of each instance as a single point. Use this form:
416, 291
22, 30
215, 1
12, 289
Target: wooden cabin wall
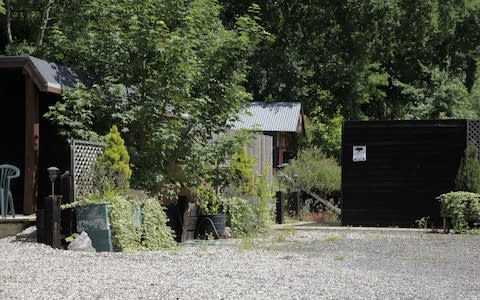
12, 128
408, 164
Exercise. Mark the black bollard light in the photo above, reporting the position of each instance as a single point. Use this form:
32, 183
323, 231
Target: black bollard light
53, 175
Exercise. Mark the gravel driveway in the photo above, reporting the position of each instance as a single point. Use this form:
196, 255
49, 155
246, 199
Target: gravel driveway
289, 264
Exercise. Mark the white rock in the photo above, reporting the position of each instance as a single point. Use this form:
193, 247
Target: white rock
82, 243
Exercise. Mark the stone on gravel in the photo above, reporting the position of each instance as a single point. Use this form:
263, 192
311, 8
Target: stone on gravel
82, 243
227, 233
29, 233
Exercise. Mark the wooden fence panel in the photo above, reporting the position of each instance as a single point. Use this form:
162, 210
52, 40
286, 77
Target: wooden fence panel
407, 165
262, 149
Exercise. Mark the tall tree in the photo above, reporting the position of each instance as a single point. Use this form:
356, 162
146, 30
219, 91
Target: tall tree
172, 76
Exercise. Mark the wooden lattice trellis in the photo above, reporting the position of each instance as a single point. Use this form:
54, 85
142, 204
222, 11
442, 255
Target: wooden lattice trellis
84, 158
473, 132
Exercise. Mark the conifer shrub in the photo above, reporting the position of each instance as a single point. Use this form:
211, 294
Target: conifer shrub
113, 165
243, 172
468, 175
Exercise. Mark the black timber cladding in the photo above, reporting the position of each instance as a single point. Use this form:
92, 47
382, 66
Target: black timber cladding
408, 164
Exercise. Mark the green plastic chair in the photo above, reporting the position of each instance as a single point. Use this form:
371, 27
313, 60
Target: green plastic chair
7, 172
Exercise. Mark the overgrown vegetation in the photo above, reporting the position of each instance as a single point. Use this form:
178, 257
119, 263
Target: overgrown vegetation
209, 201
126, 234
249, 211
241, 216
174, 73
156, 235
138, 222
316, 171
460, 207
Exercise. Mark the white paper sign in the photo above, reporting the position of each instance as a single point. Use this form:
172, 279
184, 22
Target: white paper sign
359, 153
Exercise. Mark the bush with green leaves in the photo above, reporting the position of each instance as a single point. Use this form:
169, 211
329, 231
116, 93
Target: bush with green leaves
132, 231
241, 216
127, 235
208, 200
460, 206
137, 221
244, 217
468, 176
316, 171
156, 234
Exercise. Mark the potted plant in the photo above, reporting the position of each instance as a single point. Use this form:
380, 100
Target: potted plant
212, 219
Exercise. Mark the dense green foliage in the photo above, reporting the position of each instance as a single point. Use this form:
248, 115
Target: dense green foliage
209, 201
171, 74
74, 114
156, 234
264, 204
460, 206
242, 168
245, 198
247, 217
174, 72
240, 216
366, 59
126, 235
316, 171
468, 176
216, 165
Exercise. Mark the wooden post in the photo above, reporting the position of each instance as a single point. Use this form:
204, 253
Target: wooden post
49, 222
280, 208
31, 146
294, 203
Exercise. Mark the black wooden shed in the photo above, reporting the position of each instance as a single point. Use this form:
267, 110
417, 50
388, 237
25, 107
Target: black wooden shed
28, 86
392, 171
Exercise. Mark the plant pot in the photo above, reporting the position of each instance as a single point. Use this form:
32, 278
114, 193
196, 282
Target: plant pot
94, 220
211, 225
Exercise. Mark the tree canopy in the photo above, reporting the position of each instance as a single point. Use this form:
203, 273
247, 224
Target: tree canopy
366, 59
171, 75
174, 72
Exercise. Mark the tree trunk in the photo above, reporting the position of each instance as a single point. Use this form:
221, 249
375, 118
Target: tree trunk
45, 19
9, 27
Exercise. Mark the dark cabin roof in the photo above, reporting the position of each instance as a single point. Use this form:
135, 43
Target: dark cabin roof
273, 117
49, 77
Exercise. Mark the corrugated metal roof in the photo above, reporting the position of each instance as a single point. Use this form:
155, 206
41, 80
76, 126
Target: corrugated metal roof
52, 75
275, 116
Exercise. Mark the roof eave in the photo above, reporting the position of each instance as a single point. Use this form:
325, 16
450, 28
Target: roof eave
29, 68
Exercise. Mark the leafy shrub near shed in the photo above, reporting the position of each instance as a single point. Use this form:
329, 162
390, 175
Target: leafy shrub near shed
460, 206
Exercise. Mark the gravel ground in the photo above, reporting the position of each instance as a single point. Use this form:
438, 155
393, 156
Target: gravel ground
289, 264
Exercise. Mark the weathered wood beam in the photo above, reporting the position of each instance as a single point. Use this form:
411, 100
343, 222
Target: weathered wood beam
31, 146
